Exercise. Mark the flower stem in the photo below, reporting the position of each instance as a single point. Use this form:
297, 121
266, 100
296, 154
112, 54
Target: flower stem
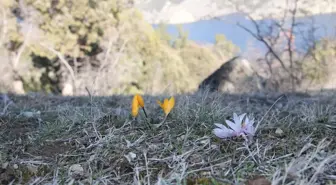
164, 120
148, 124
144, 110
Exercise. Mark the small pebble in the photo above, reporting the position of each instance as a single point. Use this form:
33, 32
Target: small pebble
279, 132
15, 166
76, 170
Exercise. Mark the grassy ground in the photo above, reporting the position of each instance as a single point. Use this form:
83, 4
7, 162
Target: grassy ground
59, 140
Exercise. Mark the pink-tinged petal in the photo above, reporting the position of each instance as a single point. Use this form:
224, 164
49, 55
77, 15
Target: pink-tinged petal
249, 130
233, 126
249, 127
222, 133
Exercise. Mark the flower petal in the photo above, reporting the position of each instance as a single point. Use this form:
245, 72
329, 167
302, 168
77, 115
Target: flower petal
235, 118
249, 127
171, 103
245, 123
135, 106
140, 100
221, 133
241, 117
221, 126
233, 126
250, 130
165, 106
247, 120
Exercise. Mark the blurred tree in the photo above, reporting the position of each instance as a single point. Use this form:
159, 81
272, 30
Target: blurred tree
200, 60
163, 33
224, 48
181, 39
321, 64
103, 45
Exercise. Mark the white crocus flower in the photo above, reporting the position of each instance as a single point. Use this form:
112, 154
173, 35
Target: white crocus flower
236, 128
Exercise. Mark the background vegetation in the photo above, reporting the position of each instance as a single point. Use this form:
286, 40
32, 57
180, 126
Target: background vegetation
105, 46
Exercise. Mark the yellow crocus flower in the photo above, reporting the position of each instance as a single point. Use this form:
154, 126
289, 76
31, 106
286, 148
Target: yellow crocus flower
167, 105
137, 102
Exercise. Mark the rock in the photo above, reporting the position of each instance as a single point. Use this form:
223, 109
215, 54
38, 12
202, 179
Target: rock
130, 156
18, 87
15, 166
30, 114
228, 77
76, 171
279, 132
67, 90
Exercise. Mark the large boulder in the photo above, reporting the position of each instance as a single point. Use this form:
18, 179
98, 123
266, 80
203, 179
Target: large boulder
229, 76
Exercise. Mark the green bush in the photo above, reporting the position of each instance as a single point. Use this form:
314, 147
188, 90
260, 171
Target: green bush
322, 62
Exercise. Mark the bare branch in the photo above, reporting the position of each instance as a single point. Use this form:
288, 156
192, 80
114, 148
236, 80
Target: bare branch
290, 41
4, 26
270, 48
16, 60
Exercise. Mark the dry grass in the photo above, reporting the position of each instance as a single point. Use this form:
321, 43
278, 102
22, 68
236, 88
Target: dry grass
95, 141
